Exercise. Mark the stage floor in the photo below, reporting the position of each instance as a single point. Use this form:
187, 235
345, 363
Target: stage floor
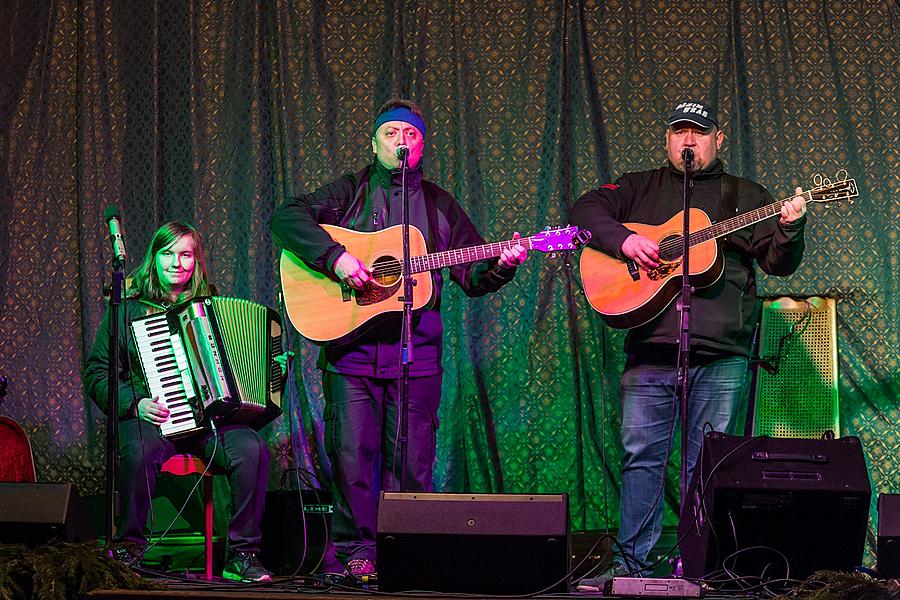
590, 555
282, 587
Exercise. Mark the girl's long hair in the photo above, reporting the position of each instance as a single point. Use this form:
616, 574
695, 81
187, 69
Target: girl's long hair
145, 280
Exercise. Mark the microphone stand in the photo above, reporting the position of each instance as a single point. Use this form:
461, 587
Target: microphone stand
684, 334
112, 407
406, 344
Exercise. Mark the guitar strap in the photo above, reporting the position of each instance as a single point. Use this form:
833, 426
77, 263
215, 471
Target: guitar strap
728, 204
436, 226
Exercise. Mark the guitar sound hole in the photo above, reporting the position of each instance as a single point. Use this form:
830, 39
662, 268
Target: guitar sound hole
386, 270
670, 248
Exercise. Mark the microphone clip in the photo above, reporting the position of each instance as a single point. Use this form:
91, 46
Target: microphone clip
687, 155
111, 216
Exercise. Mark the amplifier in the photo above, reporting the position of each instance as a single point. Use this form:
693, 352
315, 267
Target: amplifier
782, 507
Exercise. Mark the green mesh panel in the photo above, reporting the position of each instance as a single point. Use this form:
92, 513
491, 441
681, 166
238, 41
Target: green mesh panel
796, 390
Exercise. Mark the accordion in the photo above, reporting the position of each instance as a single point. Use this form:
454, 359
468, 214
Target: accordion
212, 358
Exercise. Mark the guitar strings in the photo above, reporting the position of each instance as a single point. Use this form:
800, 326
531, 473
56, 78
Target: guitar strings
696, 237
841, 190
395, 268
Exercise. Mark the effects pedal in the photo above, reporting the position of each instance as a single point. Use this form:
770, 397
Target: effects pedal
647, 587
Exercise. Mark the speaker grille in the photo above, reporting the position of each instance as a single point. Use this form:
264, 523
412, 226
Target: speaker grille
797, 395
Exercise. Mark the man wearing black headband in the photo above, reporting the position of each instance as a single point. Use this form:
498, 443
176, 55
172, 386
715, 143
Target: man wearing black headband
724, 315
360, 377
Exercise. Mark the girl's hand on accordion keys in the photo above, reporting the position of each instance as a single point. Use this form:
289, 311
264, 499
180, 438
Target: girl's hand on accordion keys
152, 411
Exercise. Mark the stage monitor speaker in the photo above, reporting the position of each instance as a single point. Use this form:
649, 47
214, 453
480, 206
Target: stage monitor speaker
797, 376
473, 543
39, 513
887, 561
756, 503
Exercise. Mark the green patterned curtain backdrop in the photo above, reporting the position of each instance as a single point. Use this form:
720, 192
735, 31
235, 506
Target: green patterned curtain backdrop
215, 112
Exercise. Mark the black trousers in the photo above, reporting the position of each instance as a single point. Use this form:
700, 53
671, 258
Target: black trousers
240, 452
361, 419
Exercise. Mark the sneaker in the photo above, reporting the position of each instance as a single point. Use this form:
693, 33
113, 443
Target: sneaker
330, 563
598, 584
126, 555
245, 566
359, 567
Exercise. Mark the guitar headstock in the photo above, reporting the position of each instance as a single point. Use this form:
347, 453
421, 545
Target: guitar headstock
827, 191
563, 238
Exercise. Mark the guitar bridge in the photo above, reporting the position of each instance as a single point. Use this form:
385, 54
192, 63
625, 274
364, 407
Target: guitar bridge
633, 269
346, 292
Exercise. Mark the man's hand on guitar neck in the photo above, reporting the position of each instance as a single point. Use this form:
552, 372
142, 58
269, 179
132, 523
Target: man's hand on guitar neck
794, 208
643, 251
352, 271
514, 256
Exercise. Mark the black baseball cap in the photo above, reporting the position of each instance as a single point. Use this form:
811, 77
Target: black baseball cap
694, 112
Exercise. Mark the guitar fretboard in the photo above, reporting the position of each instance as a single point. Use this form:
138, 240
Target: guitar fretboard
744, 220
842, 190
458, 256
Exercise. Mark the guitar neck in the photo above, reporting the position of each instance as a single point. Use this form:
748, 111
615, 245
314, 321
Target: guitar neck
459, 256
746, 219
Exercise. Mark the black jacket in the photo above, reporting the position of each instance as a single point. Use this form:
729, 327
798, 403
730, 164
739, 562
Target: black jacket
131, 383
723, 315
369, 200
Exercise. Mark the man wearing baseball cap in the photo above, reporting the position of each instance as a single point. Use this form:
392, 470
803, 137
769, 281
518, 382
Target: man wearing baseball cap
360, 376
723, 314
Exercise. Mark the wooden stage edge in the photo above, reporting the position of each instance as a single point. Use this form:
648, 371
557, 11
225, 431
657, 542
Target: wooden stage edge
844, 586
277, 592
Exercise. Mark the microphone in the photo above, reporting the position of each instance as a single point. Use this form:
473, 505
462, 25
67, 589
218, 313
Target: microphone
687, 155
111, 216
402, 152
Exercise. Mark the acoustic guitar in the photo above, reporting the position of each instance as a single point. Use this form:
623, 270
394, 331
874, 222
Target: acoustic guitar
628, 296
322, 308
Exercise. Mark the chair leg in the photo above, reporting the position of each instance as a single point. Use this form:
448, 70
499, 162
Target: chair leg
208, 524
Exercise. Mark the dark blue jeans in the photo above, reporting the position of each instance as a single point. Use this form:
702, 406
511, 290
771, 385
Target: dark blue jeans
716, 392
241, 453
361, 440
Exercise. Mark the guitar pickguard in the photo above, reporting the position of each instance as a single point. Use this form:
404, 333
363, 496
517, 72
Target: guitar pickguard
374, 293
663, 270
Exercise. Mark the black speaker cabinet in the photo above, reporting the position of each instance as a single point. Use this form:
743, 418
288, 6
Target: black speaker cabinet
294, 530
757, 503
887, 561
38, 513
473, 543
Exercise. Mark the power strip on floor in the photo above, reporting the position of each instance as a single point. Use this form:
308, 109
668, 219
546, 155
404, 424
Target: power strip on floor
654, 587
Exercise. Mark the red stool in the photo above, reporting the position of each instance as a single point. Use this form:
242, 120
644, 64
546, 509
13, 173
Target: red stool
16, 457
188, 464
